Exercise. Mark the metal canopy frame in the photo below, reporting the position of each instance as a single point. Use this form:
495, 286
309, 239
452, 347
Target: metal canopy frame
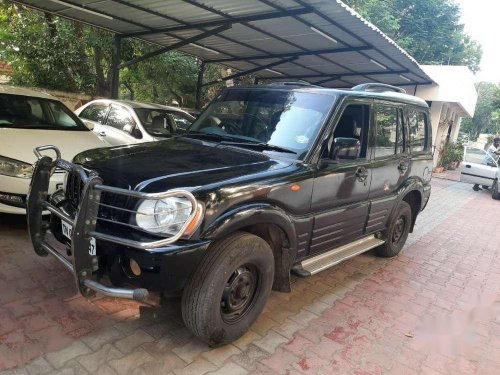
187, 33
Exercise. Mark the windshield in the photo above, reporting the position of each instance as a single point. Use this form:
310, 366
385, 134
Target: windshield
287, 119
162, 123
27, 112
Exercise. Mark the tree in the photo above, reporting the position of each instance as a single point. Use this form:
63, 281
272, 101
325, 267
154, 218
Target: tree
487, 115
55, 53
429, 30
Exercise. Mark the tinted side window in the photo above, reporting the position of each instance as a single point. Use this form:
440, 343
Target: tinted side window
95, 112
389, 138
119, 117
419, 130
181, 121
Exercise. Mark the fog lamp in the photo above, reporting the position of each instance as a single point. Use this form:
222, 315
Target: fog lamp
134, 267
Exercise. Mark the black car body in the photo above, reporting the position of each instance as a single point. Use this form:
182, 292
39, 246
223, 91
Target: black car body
310, 196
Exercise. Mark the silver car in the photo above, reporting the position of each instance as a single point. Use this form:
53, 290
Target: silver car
121, 122
480, 168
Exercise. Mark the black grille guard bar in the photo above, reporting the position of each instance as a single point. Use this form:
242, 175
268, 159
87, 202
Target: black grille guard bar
85, 261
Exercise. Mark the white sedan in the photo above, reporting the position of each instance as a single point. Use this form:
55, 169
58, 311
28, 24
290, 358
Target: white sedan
29, 119
480, 168
122, 122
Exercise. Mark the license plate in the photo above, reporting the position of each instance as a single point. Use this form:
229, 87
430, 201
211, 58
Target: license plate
66, 229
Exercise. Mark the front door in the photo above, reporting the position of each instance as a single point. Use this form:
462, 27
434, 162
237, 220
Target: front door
391, 163
478, 167
340, 195
120, 127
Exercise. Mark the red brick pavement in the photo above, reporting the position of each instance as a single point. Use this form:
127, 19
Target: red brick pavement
433, 310
40, 310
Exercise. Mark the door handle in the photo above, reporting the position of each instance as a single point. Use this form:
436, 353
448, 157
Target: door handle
467, 166
102, 133
361, 174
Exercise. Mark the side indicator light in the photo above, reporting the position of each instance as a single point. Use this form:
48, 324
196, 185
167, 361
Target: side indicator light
295, 187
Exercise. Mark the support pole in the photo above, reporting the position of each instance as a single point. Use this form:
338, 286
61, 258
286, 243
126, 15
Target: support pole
115, 61
199, 85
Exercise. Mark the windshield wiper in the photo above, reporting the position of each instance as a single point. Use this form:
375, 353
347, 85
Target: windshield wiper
259, 145
208, 135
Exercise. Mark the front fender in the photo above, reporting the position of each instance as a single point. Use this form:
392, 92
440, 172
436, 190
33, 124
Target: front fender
256, 213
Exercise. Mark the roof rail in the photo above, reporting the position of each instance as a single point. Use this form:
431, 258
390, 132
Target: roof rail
378, 87
292, 83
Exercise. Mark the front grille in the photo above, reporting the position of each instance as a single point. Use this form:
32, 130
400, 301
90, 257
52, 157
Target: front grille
74, 188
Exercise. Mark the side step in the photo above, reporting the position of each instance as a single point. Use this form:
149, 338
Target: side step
323, 261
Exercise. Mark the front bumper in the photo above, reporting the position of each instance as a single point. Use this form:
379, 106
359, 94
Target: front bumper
85, 262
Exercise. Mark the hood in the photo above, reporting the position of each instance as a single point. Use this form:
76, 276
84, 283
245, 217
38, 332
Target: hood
19, 143
174, 163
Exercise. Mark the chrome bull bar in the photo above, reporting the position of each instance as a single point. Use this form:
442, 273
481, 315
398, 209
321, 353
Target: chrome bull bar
85, 261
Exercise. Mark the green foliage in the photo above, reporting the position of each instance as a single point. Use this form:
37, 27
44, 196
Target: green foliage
54, 53
487, 115
429, 30
450, 154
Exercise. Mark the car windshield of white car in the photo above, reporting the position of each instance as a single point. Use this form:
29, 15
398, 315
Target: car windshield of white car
163, 123
27, 112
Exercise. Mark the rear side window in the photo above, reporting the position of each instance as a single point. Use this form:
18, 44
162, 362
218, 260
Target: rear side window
95, 112
419, 130
389, 139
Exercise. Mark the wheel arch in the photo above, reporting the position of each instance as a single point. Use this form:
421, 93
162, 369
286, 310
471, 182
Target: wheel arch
268, 222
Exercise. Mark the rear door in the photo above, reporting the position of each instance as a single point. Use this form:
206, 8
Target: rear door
478, 167
390, 162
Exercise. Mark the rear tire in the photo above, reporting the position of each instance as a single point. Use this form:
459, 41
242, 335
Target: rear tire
229, 289
495, 194
397, 232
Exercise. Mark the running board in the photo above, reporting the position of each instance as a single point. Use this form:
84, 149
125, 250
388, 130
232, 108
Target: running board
323, 261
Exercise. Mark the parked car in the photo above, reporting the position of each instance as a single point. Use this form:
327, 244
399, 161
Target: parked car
268, 180
126, 122
27, 119
480, 168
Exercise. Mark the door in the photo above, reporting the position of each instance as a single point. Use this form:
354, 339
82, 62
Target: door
120, 127
390, 163
340, 194
95, 114
478, 167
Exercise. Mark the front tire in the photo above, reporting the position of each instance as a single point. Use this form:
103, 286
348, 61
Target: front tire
229, 289
495, 194
397, 232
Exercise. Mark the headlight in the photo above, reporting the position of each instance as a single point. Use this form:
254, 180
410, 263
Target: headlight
167, 215
15, 168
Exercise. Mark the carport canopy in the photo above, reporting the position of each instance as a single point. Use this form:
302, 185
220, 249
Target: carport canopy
323, 42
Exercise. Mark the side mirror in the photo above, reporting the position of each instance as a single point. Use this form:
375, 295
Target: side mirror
345, 149
128, 128
88, 124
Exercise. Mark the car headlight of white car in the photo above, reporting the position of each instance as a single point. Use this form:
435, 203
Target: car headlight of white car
15, 168
168, 215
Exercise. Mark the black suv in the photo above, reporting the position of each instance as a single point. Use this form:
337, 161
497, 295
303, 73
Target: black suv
267, 181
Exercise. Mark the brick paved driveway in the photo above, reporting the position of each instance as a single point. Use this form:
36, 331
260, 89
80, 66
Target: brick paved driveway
435, 309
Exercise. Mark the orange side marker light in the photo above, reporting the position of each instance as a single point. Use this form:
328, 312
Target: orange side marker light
295, 187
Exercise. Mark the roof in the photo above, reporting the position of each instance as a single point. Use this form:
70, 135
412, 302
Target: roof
454, 84
384, 95
13, 90
319, 41
135, 104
